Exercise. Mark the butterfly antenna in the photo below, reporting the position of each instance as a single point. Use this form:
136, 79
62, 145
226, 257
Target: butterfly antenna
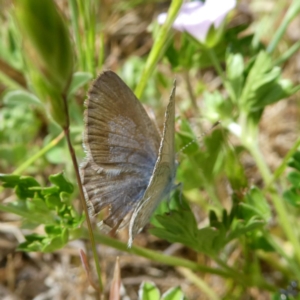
198, 137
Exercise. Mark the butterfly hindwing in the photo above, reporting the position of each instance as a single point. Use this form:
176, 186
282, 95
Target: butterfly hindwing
121, 144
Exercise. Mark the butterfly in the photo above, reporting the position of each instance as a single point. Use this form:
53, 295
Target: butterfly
129, 167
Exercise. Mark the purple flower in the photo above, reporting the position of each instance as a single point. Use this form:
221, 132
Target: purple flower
196, 17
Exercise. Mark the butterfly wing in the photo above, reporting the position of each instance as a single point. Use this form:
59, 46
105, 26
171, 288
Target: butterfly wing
121, 145
162, 179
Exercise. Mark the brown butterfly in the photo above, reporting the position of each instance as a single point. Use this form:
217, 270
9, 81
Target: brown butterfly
129, 167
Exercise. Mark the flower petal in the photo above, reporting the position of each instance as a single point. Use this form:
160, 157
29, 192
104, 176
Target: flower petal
196, 17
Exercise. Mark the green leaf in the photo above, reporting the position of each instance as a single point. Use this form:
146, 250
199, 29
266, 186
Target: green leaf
234, 170
263, 85
21, 98
33, 243
53, 202
148, 291
9, 180
79, 79
173, 294
60, 181
241, 228
23, 190
65, 235
295, 161
256, 205
44, 30
52, 244
217, 108
37, 205
181, 227
53, 230
294, 179
235, 70
292, 196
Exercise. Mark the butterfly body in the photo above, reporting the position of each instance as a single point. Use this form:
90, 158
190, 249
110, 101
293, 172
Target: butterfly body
128, 166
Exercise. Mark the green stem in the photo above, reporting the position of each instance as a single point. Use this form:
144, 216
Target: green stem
220, 72
36, 156
216, 64
158, 47
81, 193
284, 163
249, 141
285, 223
90, 11
154, 255
290, 262
260, 161
84, 50
172, 260
201, 284
286, 55
186, 74
101, 50
76, 30
292, 12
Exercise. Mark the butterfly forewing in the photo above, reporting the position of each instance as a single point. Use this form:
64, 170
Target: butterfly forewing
121, 144
162, 179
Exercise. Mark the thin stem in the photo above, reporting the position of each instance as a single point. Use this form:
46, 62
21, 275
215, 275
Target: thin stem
291, 264
197, 281
186, 74
244, 280
82, 199
90, 11
84, 50
286, 55
36, 156
216, 63
173, 260
285, 223
284, 163
260, 162
158, 47
76, 30
154, 255
220, 72
292, 12
101, 50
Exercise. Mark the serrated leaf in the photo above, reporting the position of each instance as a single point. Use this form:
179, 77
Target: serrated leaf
65, 235
60, 181
234, 69
52, 244
295, 161
37, 205
256, 205
30, 247
242, 228
263, 85
292, 196
49, 190
23, 190
53, 230
9, 180
294, 179
149, 291
53, 202
33, 243
181, 227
